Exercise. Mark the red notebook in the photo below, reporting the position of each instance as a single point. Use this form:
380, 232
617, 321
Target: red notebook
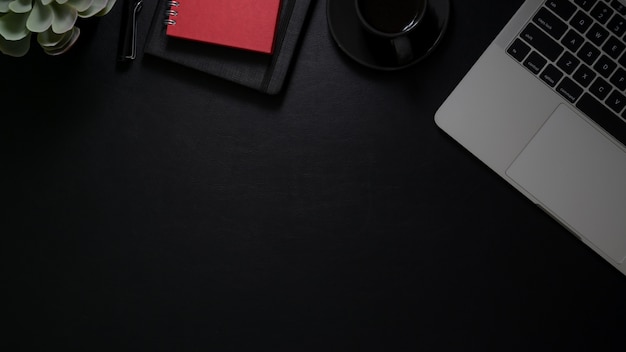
243, 24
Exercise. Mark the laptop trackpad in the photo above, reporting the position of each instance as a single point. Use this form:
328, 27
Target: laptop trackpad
574, 171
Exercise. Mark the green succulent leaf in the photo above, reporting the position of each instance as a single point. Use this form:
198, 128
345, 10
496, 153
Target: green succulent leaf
67, 41
13, 26
49, 38
40, 18
64, 18
21, 6
4, 5
94, 9
107, 8
16, 48
80, 5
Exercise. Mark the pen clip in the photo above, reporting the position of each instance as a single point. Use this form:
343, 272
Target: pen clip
128, 40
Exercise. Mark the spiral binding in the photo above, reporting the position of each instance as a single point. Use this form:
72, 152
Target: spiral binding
171, 12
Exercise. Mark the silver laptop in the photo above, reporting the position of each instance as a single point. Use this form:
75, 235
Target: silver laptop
545, 108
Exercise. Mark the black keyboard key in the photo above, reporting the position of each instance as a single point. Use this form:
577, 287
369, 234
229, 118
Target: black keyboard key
600, 88
568, 62
597, 34
588, 53
518, 49
604, 117
547, 21
569, 89
563, 8
585, 4
601, 12
581, 22
616, 101
535, 62
605, 66
617, 25
584, 76
572, 40
619, 79
614, 47
551, 75
617, 6
542, 42
622, 60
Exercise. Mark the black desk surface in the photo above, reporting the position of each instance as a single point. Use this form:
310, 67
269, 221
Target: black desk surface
157, 209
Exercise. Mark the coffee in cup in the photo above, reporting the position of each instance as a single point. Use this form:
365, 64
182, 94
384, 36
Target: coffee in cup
391, 26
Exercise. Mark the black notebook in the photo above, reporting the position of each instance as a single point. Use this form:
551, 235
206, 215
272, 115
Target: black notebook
263, 72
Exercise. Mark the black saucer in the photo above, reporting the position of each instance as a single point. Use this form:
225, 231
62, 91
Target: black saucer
346, 30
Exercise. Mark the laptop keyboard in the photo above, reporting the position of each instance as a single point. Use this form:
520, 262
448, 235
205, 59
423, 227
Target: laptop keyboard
577, 47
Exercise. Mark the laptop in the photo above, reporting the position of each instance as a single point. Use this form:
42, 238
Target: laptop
545, 108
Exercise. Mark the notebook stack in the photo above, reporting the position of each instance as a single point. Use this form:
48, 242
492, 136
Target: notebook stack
249, 42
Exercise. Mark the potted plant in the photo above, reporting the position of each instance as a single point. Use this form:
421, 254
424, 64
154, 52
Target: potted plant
50, 22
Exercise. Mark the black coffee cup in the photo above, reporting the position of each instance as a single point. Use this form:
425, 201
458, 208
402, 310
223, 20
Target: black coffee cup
392, 27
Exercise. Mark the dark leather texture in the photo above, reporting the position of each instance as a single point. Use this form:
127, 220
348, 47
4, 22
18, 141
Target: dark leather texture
151, 207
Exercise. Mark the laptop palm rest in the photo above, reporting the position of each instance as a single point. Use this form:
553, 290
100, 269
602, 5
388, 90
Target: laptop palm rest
552, 170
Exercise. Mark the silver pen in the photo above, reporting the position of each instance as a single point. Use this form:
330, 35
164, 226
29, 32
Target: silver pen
127, 48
